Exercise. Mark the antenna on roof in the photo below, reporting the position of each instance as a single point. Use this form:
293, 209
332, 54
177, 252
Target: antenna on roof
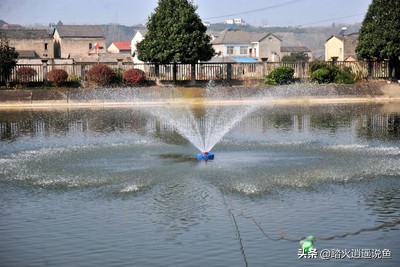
343, 31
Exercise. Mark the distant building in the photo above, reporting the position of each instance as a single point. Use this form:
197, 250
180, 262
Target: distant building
242, 46
240, 22
7, 26
118, 47
288, 50
30, 43
138, 37
78, 39
341, 47
236, 21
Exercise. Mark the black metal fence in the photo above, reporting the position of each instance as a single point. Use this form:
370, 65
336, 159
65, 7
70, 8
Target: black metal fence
203, 71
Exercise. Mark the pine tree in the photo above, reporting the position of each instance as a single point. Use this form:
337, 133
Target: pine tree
175, 34
8, 59
380, 34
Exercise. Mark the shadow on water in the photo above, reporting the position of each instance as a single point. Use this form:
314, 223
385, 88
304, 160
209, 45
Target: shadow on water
178, 158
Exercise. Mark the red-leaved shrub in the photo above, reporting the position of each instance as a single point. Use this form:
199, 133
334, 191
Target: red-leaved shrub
57, 76
26, 74
134, 76
101, 74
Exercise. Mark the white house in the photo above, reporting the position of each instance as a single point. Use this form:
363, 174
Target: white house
139, 36
242, 46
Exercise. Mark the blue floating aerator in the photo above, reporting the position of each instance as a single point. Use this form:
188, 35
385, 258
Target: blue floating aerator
205, 156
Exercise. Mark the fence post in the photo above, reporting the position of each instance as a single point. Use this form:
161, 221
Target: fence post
157, 72
193, 73
174, 71
44, 61
229, 71
83, 67
120, 62
264, 69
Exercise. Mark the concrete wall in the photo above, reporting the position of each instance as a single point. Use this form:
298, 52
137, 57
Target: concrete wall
57, 97
38, 45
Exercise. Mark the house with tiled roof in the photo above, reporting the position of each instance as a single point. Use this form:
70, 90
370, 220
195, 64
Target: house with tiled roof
341, 47
243, 46
30, 43
138, 37
288, 50
78, 39
119, 47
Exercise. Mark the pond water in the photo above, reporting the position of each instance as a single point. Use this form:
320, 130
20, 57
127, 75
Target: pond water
119, 187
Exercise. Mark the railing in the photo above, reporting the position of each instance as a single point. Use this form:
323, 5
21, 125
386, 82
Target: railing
203, 71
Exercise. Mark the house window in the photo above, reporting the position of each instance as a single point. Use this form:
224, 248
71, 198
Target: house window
90, 46
243, 50
46, 46
229, 50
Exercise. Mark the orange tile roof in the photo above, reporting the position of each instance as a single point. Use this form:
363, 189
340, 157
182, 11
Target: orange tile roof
122, 45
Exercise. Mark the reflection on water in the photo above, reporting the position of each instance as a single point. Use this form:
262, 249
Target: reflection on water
365, 120
118, 187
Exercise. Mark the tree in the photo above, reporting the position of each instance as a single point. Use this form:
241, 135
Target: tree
8, 59
175, 34
296, 57
380, 34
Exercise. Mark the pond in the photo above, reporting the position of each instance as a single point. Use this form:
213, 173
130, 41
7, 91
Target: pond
120, 187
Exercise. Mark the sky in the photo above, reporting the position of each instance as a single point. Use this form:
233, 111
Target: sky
283, 13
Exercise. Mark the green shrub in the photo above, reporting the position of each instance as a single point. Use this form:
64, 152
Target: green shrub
134, 76
279, 76
119, 76
321, 76
26, 74
345, 76
101, 74
57, 77
318, 65
74, 78
322, 72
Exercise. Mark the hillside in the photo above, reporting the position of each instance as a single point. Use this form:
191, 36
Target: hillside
312, 37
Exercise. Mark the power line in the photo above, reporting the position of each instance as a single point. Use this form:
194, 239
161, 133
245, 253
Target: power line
255, 10
332, 19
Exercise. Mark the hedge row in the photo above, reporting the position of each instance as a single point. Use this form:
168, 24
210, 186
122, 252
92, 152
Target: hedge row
101, 75
320, 72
